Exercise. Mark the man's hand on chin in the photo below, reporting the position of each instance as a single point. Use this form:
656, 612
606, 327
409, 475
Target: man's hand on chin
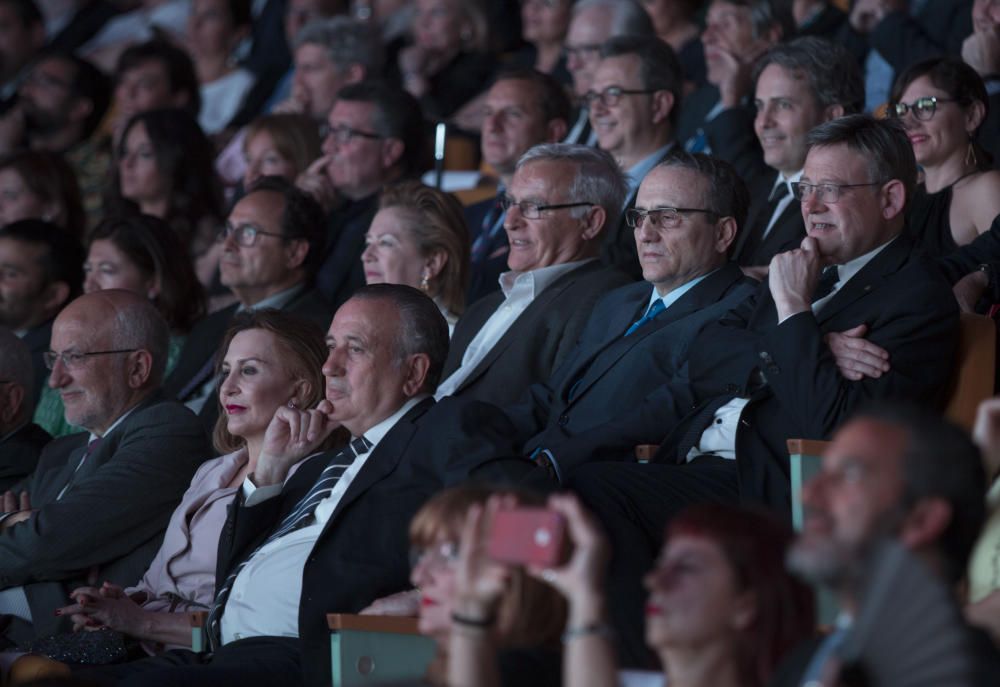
793, 276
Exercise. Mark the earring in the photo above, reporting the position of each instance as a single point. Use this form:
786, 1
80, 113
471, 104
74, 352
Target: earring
291, 404
425, 283
970, 155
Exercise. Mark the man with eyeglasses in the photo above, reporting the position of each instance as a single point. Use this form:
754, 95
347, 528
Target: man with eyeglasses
271, 247
688, 213
374, 137
21, 440
633, 109
98, 501
557, 205
765, 372
799, 85
523, 108
591, 24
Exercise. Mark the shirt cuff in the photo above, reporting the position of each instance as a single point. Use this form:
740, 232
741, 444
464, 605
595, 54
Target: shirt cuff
252, 494
801, 312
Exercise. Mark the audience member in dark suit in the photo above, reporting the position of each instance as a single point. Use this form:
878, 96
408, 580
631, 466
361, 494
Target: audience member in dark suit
98, 503
375, 137
86, 18
334, 538
799, 85
21, 441
633, 108
523, 108
272, 245
890, 472
41, 269
638, 336
718, 117
981, 51
591, 24
560, 198
764, 373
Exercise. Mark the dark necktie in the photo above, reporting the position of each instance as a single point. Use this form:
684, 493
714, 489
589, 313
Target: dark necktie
655, 309
490, 227
755, 235
301, 514
827, 280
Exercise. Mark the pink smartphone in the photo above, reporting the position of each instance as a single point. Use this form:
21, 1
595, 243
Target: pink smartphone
529, 536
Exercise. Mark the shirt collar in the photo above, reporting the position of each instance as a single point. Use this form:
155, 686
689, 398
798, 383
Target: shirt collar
537, 280
277, 301
852, 267
375, 434
640, 169
674, 295
114, 424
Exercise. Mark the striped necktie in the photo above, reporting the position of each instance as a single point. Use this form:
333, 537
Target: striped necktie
299, 516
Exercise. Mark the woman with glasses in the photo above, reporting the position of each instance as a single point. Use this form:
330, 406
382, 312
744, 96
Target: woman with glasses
142, 254
722, 609
419, 238
525, 615
942, 102
268, 359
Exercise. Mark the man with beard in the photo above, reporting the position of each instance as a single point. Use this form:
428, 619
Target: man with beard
61, 101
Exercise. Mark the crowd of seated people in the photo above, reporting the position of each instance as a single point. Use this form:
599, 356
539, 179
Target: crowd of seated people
686, 232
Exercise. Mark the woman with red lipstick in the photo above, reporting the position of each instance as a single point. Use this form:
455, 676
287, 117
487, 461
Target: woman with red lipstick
942, 102
527, 615
721, 612
419, 238
270, 359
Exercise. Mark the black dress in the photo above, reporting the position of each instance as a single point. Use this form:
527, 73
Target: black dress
928, 221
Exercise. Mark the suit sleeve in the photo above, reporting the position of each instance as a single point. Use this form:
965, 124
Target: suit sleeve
984, 249
126, 502
732, 138
919, 329
902, 41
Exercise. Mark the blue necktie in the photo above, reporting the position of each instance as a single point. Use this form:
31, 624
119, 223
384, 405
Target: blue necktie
655, 309
293, 521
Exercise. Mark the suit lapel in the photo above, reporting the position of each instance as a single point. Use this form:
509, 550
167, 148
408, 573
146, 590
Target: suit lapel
868, 280
384, 458
786, 229
526, 322
707, 292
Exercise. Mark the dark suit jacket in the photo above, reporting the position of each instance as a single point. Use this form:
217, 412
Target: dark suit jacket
537, 341
202, 344
786, 234
111, 519
362, 553
902, 39
607, 370
486, 275
730, 135
19, 453
789, 374
341, 273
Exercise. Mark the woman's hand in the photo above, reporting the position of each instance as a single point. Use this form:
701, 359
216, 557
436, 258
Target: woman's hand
405, 604
581, 579
480, 581
105, 606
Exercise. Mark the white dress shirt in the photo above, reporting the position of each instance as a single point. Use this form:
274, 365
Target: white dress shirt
519, 289
720, 437
784, 202
265, 596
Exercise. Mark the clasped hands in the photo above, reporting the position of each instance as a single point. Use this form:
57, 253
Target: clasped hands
792, 277
107, 606
291, 436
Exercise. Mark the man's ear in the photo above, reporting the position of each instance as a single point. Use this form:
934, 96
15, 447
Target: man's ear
296, 252
725, 234
415, 369
893, 199
15, 398
392, 152
56, 295
140, 366
663, 105
556, 129
926, 523
832, 112
593, 221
